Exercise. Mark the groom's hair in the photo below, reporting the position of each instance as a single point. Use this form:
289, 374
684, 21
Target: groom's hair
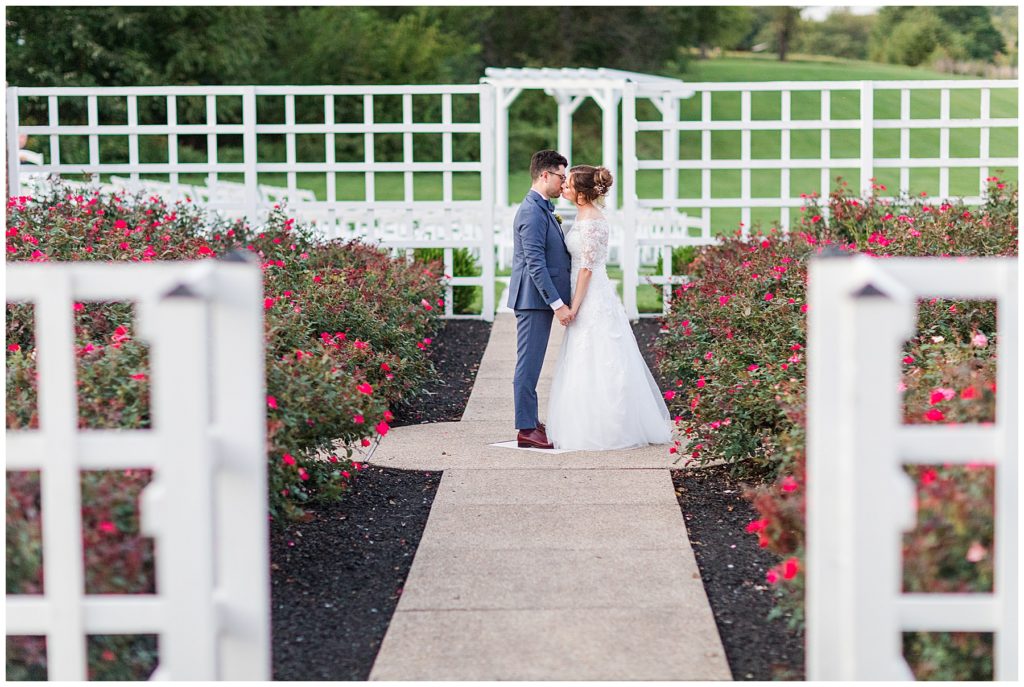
545, 160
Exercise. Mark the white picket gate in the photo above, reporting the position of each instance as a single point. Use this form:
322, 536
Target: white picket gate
859, 499
206, 507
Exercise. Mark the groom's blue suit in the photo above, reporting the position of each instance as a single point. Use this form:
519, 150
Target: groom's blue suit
541, 267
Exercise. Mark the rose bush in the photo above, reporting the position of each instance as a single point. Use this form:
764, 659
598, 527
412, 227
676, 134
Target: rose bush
735, 348
346, 333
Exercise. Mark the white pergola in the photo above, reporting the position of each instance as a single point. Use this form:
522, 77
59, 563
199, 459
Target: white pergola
570, 87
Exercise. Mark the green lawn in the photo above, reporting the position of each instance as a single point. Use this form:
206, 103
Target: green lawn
736, 66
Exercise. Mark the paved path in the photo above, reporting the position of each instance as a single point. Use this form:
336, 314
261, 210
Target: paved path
543, 566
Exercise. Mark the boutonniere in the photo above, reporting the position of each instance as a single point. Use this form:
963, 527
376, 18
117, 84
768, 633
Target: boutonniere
558, 218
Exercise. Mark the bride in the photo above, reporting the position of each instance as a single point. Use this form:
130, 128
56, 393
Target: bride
603, 395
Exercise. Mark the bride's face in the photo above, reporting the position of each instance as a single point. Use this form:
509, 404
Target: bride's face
569, 190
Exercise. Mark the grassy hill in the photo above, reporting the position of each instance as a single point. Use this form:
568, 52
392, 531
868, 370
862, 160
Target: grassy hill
743, 66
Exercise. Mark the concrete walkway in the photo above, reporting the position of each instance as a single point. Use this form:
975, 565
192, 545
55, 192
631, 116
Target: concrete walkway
537, 565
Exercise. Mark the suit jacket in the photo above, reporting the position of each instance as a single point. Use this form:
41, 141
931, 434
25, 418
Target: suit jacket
541, 264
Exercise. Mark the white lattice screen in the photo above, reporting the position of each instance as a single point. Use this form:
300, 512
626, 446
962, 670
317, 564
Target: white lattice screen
206, 508
739, 153
859, 499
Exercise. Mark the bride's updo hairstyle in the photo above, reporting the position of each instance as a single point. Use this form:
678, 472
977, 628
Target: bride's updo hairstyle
592, 184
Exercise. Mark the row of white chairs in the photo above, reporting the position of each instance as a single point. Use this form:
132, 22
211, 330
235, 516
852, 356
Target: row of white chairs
410, 223
219, 191
424, 225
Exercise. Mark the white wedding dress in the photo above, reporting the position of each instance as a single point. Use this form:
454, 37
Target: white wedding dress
603, 396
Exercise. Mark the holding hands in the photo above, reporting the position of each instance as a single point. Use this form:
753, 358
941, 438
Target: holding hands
565, 315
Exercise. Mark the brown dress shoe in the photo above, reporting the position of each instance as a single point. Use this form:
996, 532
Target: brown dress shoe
533, 438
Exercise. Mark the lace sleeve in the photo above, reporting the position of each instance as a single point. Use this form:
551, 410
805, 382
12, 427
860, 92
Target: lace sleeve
594, 240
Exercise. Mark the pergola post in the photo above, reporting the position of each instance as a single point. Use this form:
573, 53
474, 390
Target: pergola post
500, 148
567, 106
565, 110
610, 138
503, 99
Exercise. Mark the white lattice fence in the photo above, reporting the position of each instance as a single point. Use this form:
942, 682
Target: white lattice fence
860, 500
206, 508
742, 152
383, 157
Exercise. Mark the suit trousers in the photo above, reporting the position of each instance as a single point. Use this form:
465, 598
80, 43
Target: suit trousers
533, 329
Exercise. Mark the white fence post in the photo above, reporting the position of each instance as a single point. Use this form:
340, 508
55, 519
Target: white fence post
487, 196
239, 400
887, 312
670, 145
185, 543
13, 161
252, 192
628, 257
1008, 491
827, 590
61, 493
867, 138
859, 500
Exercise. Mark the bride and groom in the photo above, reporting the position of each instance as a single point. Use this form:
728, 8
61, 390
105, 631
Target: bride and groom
603, 396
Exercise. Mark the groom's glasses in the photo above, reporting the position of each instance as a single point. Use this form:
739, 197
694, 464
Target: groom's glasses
563, 177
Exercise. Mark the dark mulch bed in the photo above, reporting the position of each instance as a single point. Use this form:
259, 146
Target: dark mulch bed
731, 564
732, 567
456, 352
336, 578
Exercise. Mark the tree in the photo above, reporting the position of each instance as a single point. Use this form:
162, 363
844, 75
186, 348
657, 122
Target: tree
1005, 19
337, 44
784, 22
121, 46
979, 38
775, 29
841, 34
914, 35
634, 38
716, 26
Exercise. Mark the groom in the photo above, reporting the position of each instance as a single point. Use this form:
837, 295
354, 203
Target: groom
539, 289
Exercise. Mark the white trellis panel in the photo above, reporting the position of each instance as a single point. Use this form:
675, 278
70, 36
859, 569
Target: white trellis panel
861, 125
395, 222
859, 499
206, 508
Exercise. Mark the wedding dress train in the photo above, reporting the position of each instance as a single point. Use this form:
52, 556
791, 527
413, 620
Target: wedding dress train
603, 396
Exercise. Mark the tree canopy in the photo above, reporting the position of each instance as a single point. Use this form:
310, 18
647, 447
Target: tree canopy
912, 35
133, 45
